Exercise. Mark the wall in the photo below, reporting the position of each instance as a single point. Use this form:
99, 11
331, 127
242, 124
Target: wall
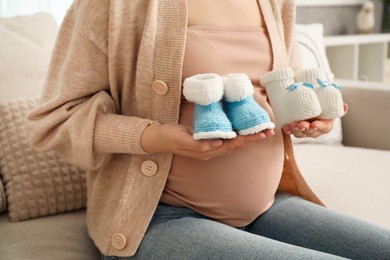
337, 19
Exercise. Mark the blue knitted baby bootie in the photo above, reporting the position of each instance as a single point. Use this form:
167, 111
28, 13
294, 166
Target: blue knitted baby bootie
246, 116
209, 122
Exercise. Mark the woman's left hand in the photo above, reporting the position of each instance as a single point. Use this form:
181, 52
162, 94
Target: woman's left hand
313, 128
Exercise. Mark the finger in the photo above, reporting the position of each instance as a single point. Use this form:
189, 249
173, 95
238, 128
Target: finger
312, 130
303, 125
345, 109
298, 133
241, 140
205, 145
323, 126
215, 143
245, 139
269, 132
201, 149
286, 129
188, 143
293, 125
296, 126
313, 133
229, 145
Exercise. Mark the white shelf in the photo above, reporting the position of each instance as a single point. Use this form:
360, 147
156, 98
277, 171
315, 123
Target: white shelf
358, 39
329, 2
359, 57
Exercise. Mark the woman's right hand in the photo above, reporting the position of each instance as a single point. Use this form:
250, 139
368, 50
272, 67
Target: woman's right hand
177, 139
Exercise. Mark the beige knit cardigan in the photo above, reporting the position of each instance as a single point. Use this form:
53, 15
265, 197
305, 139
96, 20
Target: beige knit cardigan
104, 87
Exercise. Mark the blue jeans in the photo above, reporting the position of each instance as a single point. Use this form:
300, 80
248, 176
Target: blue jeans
291, 229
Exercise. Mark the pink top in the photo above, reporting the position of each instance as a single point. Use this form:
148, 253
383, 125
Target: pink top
238, 187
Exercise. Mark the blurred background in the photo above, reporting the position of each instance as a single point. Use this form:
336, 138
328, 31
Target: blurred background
57, 8
337, 16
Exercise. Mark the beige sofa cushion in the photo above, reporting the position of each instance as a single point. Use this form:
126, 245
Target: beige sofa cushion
354, 181
37, 184
25, 48
62, 236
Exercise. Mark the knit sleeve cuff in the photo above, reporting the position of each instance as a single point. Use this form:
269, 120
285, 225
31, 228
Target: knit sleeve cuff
119, 134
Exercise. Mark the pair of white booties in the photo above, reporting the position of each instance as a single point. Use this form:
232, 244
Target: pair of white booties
224, 106
303, 96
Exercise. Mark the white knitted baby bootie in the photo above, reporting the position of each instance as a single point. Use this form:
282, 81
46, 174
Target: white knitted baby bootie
290, 101
210, 121
328, 94
245, 114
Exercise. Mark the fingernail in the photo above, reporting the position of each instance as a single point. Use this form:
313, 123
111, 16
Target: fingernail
215, 143
302, 129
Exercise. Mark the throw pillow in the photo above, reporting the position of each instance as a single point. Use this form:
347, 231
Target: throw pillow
36, 184
25, 48
310, 39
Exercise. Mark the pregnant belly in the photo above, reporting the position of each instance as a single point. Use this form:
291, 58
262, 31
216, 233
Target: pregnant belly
233, 189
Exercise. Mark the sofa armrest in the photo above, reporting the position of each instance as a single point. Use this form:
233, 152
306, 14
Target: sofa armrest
367, 123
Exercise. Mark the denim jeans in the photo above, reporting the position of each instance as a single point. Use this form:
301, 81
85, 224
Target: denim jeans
291, 229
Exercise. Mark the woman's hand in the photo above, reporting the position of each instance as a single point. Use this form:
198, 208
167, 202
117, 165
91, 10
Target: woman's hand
177, 139
313, 128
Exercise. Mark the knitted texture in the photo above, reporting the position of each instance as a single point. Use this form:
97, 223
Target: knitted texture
211, 122
37, 184
290, 102
328, 94
247, 117
206, 91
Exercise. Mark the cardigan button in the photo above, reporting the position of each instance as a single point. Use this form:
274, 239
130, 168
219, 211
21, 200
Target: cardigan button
149, 168
160, 87
118, 241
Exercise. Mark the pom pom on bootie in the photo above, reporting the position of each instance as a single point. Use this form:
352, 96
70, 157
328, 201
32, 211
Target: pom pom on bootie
290, 101
328, 94
246, 116
210, 121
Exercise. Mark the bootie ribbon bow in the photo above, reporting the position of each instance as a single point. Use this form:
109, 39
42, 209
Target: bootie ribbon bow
324, 83
295, 86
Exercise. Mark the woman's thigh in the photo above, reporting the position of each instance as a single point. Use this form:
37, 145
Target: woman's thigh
177, 233
296, 221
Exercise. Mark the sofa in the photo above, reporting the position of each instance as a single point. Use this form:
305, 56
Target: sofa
43, 199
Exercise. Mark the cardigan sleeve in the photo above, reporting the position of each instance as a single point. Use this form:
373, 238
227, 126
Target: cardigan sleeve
77, 117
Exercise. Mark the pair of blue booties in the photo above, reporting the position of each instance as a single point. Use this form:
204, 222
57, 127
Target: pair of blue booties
224, 106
